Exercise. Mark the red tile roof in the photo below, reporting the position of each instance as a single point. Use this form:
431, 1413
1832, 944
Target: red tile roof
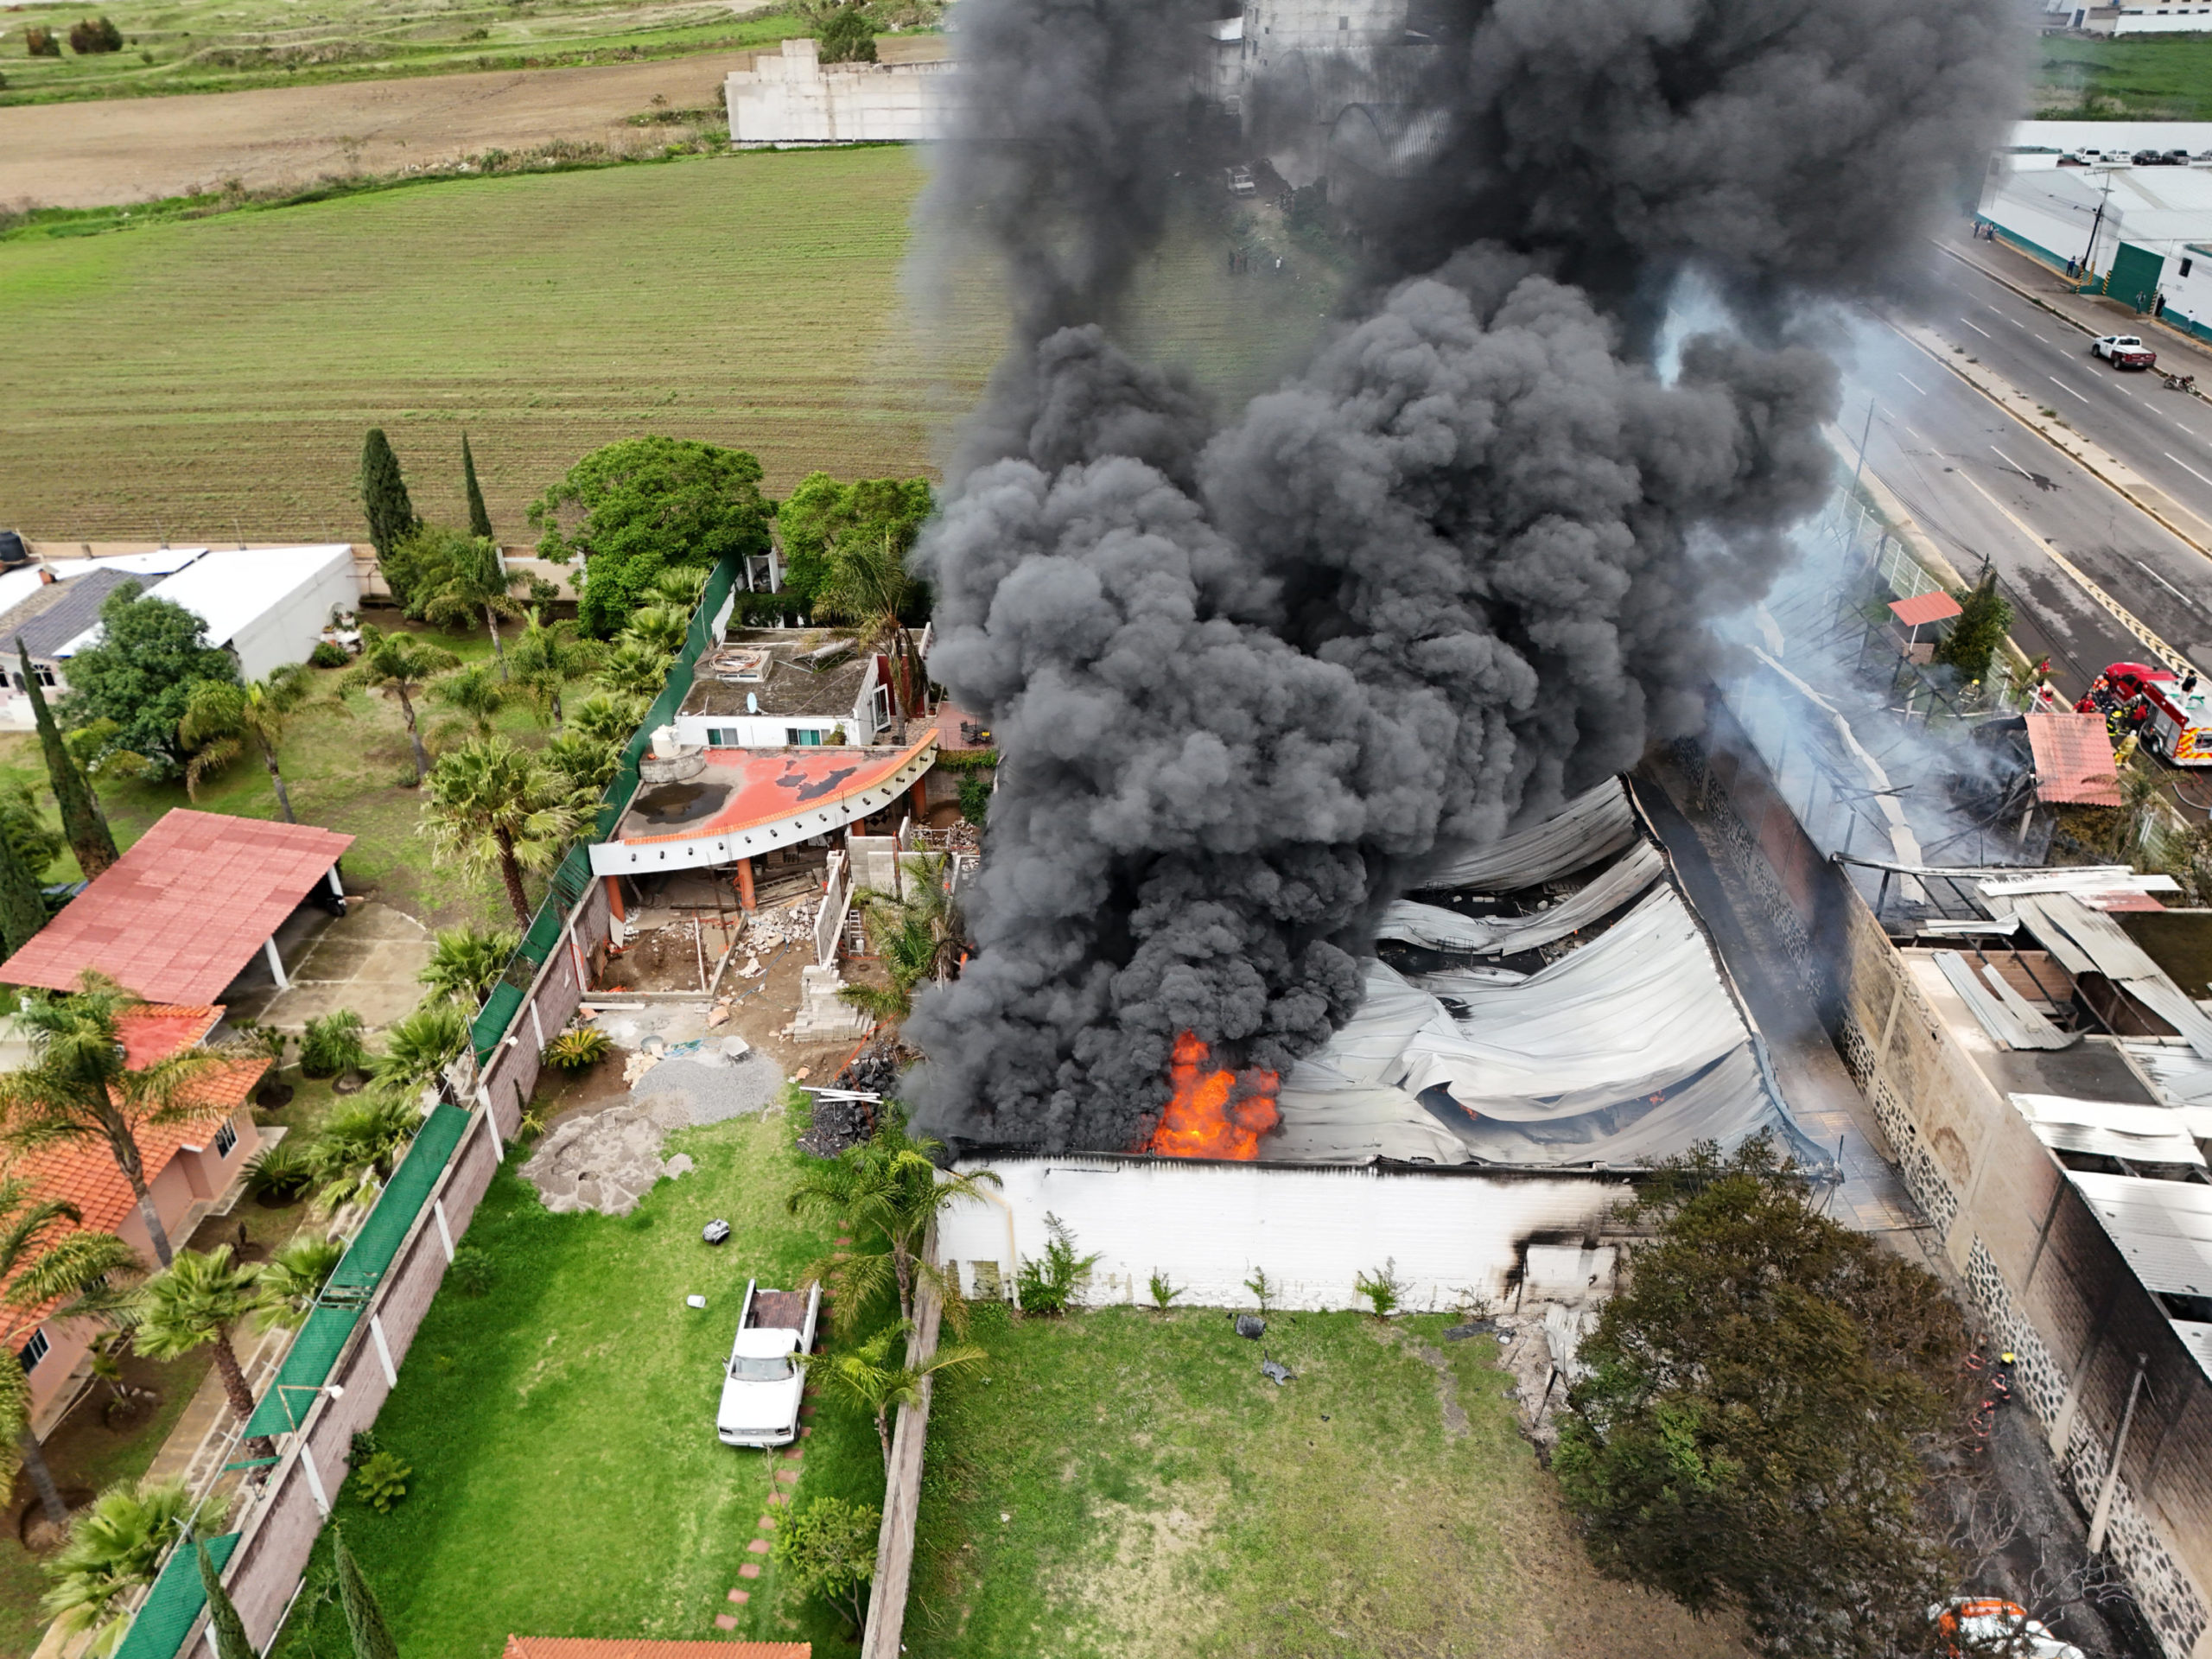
181, 914
574, 1647
154, 1031
2073, 760
1923, 608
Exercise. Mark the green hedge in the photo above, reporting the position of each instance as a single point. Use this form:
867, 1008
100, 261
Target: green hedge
968, 759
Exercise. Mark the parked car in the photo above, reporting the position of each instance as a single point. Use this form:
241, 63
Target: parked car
766, 1373
2125, 351
1240, 181
1975, 1625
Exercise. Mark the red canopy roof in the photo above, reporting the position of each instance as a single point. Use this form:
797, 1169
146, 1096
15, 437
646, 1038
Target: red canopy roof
1923, 608
179, 916
2073, 758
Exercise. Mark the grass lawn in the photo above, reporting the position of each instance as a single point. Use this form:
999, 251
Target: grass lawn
210, 46
2155, 78
568, 1481
1123, 1482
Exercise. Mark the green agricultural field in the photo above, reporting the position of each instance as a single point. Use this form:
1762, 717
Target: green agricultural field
1125, 1484
208, 45
213, 378
2159, 77
567, 1478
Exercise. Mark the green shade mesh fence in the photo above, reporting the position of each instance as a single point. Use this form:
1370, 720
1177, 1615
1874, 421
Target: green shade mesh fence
176, 1600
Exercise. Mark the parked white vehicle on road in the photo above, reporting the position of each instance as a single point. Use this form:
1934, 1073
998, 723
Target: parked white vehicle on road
766, 1373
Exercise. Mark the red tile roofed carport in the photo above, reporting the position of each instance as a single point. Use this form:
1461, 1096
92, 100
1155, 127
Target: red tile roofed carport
627, 1647
2073, 760
1923, 608
179, 916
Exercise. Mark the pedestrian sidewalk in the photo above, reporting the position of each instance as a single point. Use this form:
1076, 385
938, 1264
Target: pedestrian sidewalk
2092, 314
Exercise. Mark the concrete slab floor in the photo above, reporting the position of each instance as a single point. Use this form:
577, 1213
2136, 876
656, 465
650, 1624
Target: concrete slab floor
369, 960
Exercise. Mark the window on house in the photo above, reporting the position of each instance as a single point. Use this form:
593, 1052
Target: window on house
805, 737
35, 1349
722, 737
44, 672
2185, 264
226, 1138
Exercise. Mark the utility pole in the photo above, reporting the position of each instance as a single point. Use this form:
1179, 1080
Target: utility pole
2089, 259
1865, 433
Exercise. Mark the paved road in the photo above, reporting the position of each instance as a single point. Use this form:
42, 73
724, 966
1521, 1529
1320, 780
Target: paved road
1987, 489
2165, 435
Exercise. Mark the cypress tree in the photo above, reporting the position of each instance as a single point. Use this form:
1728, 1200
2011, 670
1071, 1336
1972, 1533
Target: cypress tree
230, 1640
480, 521
1979, 630
364, 1619
22, 906
383, 495
82, 820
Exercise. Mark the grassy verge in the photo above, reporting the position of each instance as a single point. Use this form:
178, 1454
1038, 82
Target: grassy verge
568, 1481
206, 46
2161, 78
1123, 1482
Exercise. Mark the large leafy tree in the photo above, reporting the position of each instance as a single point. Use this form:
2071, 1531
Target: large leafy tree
383, 495
78, 1090
1750, 1433
82, 820
494, 807
641, 507
223, 716
152, 654
47, 1256
400, 665
821, 515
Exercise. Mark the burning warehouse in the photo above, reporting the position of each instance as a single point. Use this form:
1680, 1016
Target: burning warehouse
1547, 1017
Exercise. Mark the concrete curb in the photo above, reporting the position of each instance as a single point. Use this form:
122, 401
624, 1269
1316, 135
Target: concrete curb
2067, 317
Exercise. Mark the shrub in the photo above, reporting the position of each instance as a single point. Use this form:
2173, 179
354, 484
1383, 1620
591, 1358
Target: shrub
829, 1550
578, 1047
41, 42
1381, 1289
382, 1481
95, 34
1163, 1293
471, 1269
1264, 1290
1051, 1286
975, 797
329, 653
468, 962
283, 1173
332, 1045
362, 1446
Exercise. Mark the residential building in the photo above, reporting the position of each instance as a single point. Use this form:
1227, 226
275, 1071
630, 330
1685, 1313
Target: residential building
776, 688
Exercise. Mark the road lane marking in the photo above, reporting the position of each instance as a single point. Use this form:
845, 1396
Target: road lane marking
2063, 387
2014, 464
1916, 432
1908, 380
2168, 586
2185, 467
1984, 333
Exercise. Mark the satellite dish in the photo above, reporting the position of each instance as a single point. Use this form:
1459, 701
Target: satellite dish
752, 703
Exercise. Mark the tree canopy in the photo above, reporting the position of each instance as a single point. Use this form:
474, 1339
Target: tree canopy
822, 515
142, 674
1750, 1433
643, 506
1978, 633
384, 495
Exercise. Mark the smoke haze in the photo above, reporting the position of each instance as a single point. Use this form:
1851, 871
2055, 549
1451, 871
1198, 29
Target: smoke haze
1246, 675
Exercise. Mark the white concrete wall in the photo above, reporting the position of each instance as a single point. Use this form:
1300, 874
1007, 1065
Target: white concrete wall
1207, 1226
756, 731
2163, 20
793, 98
288, 630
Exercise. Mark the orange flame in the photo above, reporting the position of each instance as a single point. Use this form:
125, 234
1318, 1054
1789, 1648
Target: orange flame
1213, 1113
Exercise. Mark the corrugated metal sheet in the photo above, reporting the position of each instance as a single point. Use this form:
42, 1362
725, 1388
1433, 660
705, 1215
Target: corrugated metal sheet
1489, 935
1594, 825
2162, 1228
2111, 1128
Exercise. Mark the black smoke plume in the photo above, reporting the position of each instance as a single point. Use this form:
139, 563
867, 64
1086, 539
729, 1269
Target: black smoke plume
1247, 677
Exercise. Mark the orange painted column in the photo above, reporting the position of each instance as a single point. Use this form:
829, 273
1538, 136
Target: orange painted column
614, 896
921, 796
745, 883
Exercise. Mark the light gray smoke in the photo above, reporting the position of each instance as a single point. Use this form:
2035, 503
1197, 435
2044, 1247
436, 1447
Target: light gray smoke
1246, 678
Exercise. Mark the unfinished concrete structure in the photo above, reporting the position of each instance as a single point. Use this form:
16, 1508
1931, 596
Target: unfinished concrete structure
793, 98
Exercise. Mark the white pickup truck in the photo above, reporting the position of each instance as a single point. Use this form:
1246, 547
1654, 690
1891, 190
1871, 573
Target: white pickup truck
766, 1370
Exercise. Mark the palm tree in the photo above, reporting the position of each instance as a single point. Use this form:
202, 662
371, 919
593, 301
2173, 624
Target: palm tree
868, 1378
474, 695
468, 962
46, 1254
610, 717
865, 587
545, 658
588, 763
114, 1549
892, 1186
418, 1048
78, 1090
680, 587
400, 665
294, 1277
916, 935
472, 578
197, 1302
223, 717
494, 807
658, 627
632, 668
359, 1148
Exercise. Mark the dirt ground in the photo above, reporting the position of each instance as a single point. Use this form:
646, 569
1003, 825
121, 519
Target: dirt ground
139, 149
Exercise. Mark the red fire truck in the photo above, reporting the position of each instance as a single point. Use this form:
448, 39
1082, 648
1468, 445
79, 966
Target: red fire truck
2171, 714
